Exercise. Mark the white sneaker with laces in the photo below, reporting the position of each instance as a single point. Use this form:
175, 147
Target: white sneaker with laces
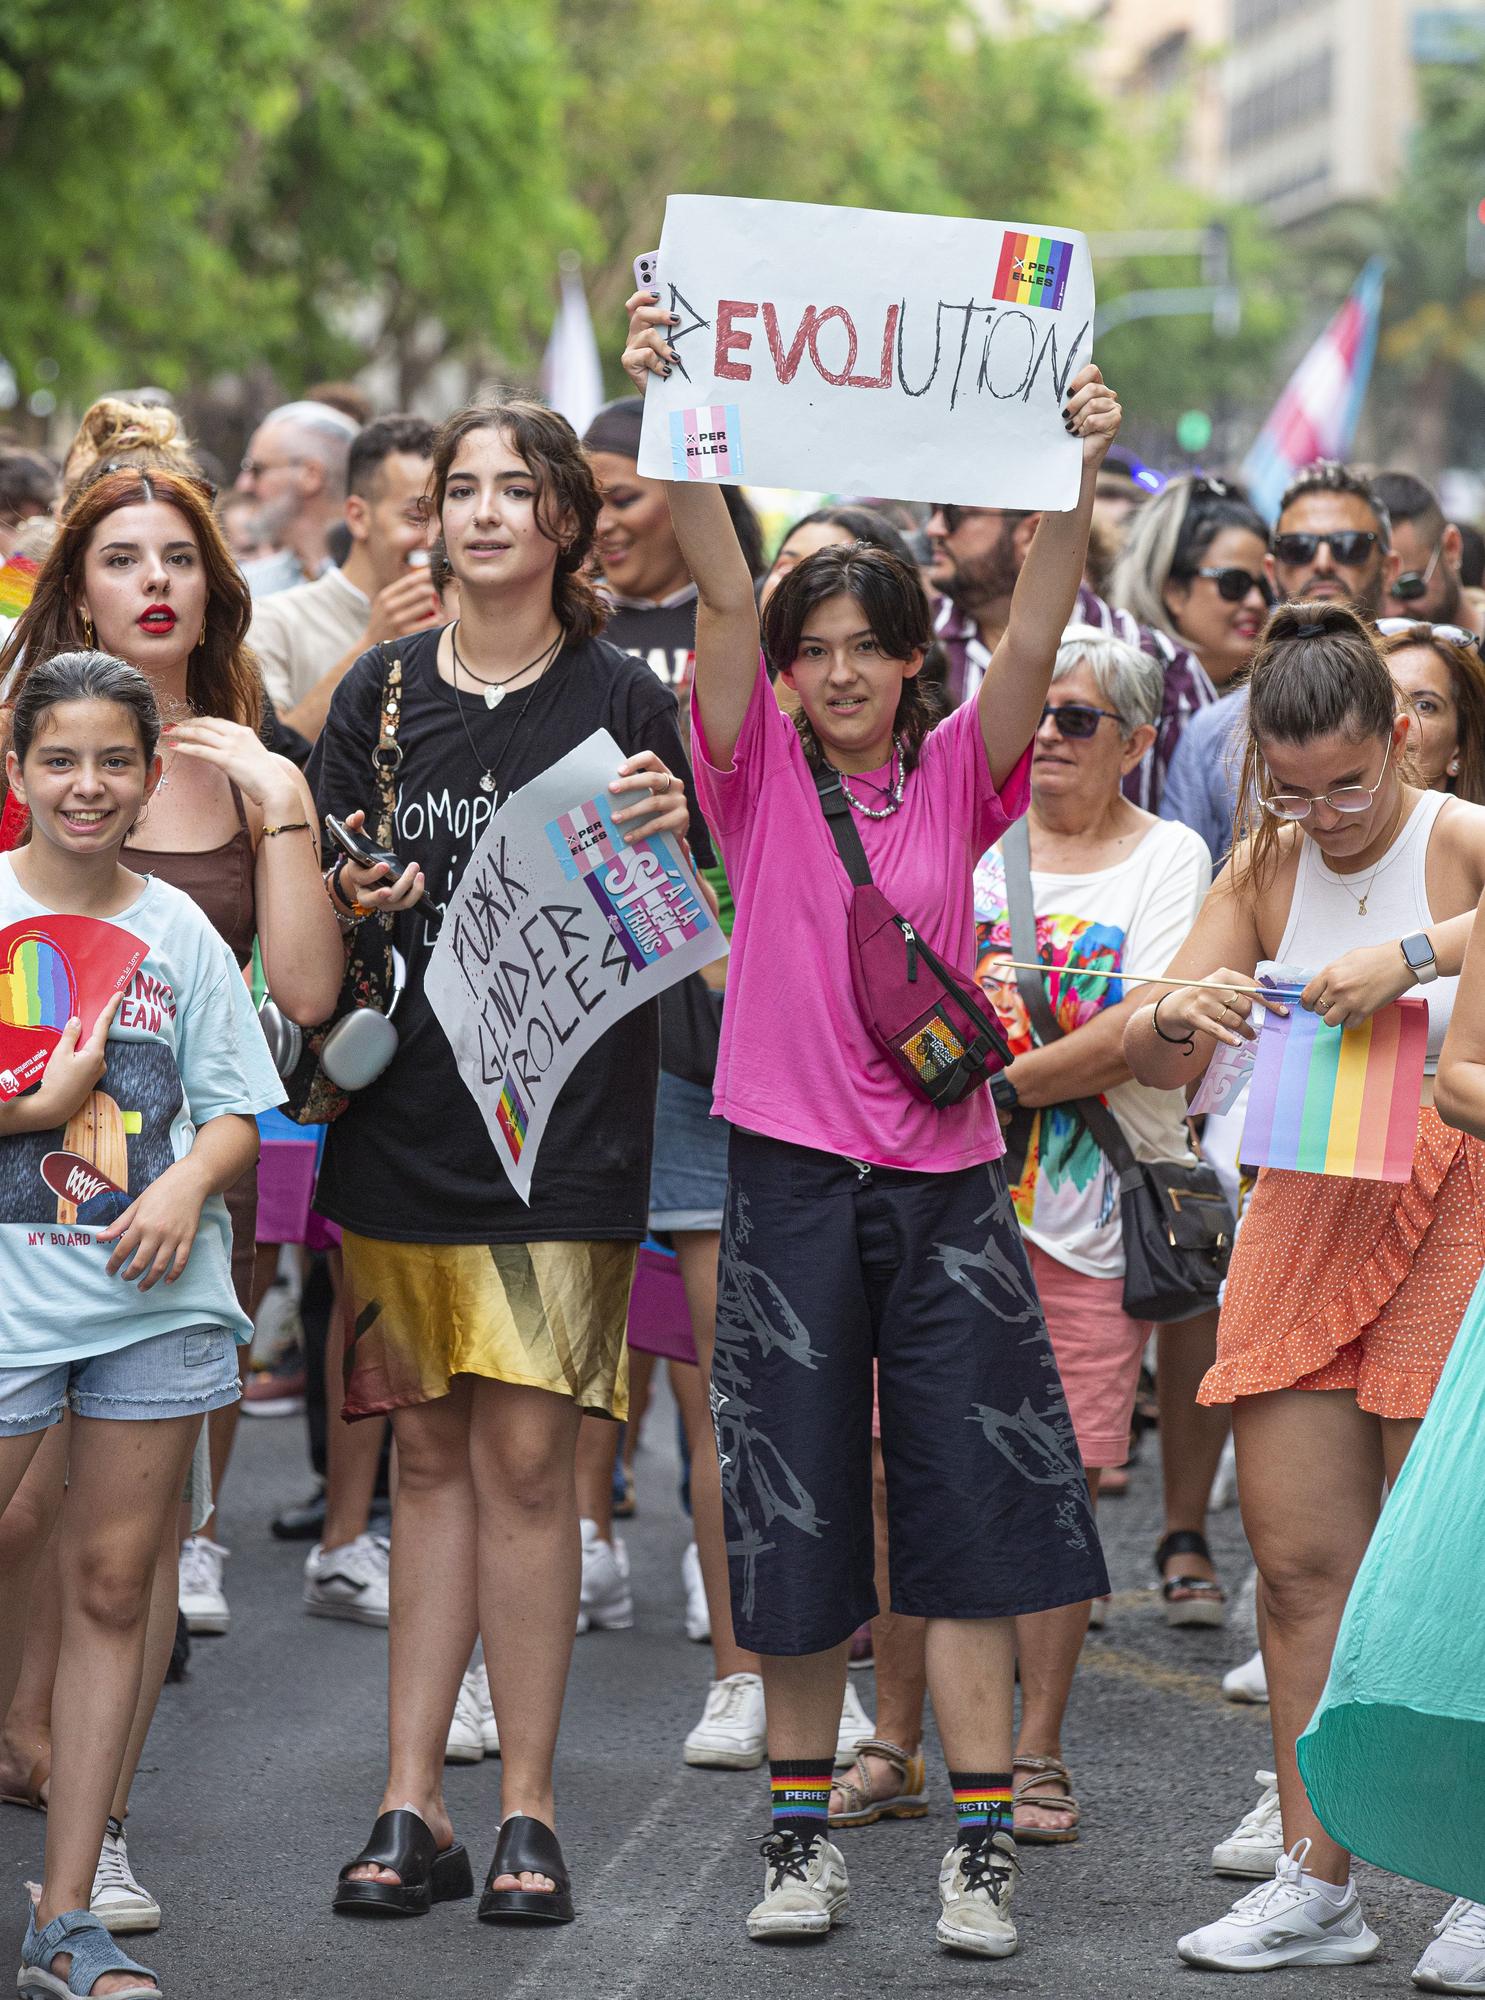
974, 1890
203, 1601
1455, 1961
349, 1582
698, 1611
118, 1901
732, 1733
855, 1726
1286, 1922
605, 1601
1256, 1843
804, 1887
1248, 1683
466, 1738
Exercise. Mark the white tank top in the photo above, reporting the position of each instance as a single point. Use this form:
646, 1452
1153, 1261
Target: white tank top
1324, 921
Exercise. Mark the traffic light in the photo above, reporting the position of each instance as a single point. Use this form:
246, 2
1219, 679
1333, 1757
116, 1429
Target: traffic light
1474, 242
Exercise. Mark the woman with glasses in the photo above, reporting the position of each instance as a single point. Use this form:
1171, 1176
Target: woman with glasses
1193, 567
1111, 887
1344, 1294
1440, 677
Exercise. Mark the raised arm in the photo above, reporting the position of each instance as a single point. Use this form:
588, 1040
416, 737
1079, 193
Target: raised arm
726, 610
1014, 690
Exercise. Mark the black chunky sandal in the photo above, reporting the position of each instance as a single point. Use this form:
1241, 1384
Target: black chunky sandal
527, 1846
1189, 1600
403, 1842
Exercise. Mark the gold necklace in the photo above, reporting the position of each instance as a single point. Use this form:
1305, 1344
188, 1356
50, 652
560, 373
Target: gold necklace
1361, 900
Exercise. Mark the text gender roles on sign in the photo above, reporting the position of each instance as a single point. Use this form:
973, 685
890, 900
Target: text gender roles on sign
556, 931
864, 352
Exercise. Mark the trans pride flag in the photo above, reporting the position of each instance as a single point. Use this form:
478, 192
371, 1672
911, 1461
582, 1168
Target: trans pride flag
1317, 414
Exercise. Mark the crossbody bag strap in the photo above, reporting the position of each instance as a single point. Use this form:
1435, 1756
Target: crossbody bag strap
843, 830
1103, 1127
386, 758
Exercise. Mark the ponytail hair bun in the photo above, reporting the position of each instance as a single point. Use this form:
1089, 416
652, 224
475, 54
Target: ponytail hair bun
148, 433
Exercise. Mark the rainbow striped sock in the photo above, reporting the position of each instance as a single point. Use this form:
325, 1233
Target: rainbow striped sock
801, 1794
982, 1803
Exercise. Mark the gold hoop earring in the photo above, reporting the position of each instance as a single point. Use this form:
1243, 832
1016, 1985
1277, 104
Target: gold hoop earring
202, 640
89, 637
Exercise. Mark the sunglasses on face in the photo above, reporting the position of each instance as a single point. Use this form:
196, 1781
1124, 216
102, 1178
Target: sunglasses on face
1414, 582
1233, 585
1078, 720
1350, 548
955, 517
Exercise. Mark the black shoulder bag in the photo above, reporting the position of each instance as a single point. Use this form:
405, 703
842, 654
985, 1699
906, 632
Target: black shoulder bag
1176, 1221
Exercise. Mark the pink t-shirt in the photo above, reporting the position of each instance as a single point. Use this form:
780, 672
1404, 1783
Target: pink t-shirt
796, 1060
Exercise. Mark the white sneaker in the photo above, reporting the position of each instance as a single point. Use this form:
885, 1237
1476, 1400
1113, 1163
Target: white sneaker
1256, 1843
203, 1602
698, 1611
118, 1901
472, 1733
974, 1888
605, 1602
1249, 1682
1455, 1961
804, 1888
732, 1733
855, 1726
349, 1582
1283, 1923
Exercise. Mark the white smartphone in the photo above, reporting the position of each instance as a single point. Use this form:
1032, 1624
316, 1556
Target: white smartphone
645, 268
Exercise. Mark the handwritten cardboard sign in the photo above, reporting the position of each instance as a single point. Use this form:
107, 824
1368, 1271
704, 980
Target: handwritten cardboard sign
854, 351
555, 932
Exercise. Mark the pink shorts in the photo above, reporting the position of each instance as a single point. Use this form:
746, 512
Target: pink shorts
1098, 1349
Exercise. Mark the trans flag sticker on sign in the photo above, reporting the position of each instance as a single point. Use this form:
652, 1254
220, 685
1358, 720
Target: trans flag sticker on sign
707, 443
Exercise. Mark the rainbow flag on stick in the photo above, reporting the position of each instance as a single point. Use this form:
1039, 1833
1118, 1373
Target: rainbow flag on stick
1338, 1100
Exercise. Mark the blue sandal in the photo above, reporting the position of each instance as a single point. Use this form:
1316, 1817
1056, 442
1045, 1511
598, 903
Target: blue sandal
93, 1953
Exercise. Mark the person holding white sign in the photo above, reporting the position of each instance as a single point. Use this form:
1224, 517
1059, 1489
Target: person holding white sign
861, 1219
485, 1325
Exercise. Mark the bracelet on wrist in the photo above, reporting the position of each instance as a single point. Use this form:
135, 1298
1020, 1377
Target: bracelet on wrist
286, 826
1186, 1044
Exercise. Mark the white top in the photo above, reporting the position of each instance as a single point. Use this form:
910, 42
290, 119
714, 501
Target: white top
1136, 914
1325, 919
298, 634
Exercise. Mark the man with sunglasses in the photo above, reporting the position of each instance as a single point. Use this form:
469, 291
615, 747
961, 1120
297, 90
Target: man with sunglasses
1429, 550
977, 556
1332, 540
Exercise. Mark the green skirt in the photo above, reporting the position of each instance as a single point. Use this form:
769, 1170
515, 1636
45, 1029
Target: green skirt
1394, 1757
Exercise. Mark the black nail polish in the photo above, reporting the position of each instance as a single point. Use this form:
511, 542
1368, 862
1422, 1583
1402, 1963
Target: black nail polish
667, 372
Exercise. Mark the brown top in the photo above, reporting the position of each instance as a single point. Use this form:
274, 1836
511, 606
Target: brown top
218, 880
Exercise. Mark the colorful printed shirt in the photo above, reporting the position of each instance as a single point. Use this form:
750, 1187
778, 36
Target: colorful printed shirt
1136, 913
184, 1047
1188, 687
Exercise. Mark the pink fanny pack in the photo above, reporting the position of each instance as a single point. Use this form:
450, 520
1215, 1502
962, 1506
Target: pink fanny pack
931, 1023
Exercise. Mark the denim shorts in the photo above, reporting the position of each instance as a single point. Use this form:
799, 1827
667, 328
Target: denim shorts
180, 1374
688, 1179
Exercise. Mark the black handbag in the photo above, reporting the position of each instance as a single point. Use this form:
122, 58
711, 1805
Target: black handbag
371, 968
1175, 1218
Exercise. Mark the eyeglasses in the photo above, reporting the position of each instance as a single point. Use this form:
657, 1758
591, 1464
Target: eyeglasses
1233, 585
1078, 720
1348, 799
954, 516
1455, 634
1413, 582
1351, 547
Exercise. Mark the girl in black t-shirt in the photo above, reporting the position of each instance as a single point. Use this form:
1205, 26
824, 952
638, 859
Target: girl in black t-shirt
487, 1327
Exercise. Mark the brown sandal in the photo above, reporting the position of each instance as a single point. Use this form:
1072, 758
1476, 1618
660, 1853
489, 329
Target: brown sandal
861, 1808
31, 1796
1045, 1770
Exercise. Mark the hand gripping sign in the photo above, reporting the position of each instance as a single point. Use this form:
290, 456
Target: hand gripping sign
850, 350
555, 932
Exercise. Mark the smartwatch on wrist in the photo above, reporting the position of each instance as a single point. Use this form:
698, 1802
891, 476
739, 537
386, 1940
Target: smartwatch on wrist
1005, 1093
1418, 954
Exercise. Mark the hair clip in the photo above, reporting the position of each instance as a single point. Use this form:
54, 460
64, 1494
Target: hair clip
1313, 630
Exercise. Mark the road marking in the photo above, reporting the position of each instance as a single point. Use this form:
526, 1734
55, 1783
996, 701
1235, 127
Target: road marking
1113, 1664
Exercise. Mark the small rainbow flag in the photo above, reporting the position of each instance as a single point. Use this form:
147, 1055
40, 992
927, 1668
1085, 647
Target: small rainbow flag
1033, 270
37, 989
511, 1113
18, 576
1338, 1100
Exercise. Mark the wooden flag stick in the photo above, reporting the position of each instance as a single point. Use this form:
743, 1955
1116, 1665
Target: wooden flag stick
1145, 979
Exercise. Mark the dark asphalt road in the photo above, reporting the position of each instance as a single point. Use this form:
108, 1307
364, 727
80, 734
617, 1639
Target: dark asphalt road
264, 1769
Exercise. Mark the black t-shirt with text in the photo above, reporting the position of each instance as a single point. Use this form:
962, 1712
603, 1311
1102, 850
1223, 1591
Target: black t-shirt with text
411, 1159
662, 635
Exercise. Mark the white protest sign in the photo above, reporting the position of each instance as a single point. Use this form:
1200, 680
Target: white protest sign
555, 932
848, 349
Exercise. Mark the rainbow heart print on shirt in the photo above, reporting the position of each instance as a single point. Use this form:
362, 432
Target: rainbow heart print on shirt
1033, 270
52, 968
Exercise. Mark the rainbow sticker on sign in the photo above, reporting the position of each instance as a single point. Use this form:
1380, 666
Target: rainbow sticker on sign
511, 1113
37, 989
1033, 270
706, 443
1338, 1100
